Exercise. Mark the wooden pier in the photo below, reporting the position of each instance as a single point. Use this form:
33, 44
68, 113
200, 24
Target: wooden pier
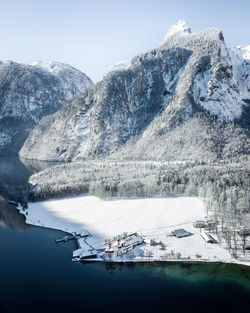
75, 235
64, 239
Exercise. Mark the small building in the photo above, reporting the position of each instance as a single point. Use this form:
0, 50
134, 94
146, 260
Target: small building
119, 247
149, 241
180, 233
199, 224
132, 240
207, 237
111, 252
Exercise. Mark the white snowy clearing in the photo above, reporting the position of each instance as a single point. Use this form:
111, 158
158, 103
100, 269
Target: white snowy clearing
154, 218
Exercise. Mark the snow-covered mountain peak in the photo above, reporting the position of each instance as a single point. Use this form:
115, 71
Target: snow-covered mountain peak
180, 28
8, 62
53, 67
73, 80
49, 65
118, 66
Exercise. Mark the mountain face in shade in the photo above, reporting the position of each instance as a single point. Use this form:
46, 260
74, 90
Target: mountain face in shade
186, 99
29, 92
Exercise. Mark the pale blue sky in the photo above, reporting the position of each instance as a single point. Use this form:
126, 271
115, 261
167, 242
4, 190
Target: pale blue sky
92, 35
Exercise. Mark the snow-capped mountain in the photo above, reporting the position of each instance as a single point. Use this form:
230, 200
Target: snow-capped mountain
121, 65
157, 105
29, 92
73, 81
180, 28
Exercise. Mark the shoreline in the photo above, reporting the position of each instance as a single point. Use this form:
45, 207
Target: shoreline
63, 215
177, 261
174, 261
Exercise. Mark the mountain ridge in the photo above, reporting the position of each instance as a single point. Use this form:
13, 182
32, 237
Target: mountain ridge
155, 93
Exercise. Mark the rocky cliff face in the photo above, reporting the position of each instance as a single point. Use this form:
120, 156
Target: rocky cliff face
29, 92
240, 57
149, 99
60, 135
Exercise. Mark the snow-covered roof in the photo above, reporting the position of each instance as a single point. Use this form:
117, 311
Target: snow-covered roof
181, 233
200, 223
207, 237
132, 239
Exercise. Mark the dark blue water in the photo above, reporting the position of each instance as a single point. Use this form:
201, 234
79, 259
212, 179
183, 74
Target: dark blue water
36, 275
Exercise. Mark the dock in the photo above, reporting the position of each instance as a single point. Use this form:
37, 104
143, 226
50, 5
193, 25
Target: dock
74, 235
64, 239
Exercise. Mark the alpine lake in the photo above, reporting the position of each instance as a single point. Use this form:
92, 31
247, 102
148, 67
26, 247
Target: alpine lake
37, 275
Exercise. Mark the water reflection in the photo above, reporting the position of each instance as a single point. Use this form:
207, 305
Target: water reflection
204, 272
10, 217
34, 166
14, 176
194, 273
15, 173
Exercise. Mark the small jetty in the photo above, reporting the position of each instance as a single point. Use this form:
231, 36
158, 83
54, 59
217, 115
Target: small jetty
64, 239
75, 235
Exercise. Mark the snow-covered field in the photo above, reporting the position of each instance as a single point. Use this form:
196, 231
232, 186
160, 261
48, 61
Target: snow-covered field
151, 217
